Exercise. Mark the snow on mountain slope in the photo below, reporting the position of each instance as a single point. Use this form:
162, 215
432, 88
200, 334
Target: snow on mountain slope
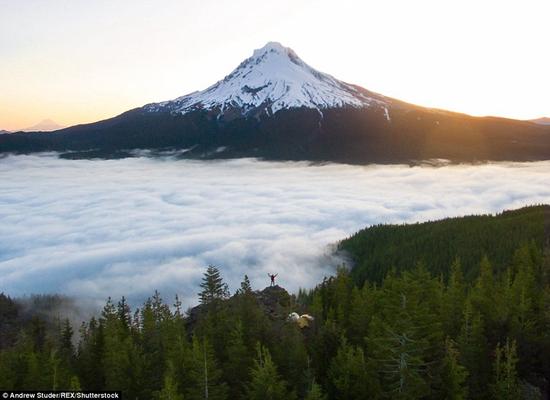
46, 125
274, 78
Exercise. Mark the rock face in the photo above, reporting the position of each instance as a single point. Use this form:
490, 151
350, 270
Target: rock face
275, 302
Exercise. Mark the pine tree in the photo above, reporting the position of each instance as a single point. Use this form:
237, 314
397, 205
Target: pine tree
483, 295
325, 346
341, 296
66, 339
349, 375
266, 383
213, 287
453, 301
405, 336
506, 384
246, 309
151, 344
205, 377
177, 308
121, 360
170, 388
238, 362
291, 357
246, 288
89, 360
315, 393
473, 350
124, 314
454, 375
362, 310
75, 384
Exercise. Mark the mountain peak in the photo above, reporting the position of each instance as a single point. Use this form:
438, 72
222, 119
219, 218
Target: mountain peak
273, 78
274, 47
46, 125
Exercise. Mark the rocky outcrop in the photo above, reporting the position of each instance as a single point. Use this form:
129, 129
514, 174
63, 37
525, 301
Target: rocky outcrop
275, 302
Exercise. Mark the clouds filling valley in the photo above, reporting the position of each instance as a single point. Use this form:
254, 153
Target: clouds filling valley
93, 229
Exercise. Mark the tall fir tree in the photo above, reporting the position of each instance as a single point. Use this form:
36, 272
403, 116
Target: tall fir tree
474, 353
205, 376
454, 374
350, 376
213, 287
506, 383
265, 383
169, 389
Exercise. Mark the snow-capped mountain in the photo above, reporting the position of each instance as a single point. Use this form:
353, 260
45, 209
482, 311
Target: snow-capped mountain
272, 79
46, 125
275, 106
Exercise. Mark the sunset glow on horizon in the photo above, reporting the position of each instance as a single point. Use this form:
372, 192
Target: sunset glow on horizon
78, 61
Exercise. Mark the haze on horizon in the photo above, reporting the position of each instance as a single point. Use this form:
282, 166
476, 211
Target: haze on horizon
79, 61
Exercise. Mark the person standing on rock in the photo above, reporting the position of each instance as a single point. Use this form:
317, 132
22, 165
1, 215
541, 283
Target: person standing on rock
272, 278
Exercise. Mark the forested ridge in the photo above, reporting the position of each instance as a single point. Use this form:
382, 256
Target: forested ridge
379, 248
451, 309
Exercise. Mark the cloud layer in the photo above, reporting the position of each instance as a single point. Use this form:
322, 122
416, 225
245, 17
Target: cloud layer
114, 227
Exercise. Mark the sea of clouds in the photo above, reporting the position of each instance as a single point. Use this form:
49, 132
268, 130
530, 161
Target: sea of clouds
98, 228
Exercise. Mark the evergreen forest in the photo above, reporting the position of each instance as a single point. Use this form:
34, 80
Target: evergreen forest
451, 309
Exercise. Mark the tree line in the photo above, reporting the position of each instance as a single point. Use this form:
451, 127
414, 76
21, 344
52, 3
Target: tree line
417, 333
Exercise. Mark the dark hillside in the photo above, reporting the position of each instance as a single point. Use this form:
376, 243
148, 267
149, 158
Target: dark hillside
377, 249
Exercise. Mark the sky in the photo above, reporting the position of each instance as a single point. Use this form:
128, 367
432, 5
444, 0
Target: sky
77, 61
97, 228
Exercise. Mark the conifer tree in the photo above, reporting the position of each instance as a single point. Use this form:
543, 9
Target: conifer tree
213, 287
245, 288
473, 350
123, 314
291, 357
266, 384
75, 384
454, 375
324, 348
453, 301
483, 296
315, 393
405, 337
66, 339
350, 376
169, 389
361, 312
121, 360
238, 362
205, 377
506, 384
152, 348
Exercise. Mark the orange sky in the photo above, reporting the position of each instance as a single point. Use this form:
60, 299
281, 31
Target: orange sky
79, 61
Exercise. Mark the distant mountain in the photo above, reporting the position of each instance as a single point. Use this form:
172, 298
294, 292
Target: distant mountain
4, 131
542, 121
275, 106
46, 125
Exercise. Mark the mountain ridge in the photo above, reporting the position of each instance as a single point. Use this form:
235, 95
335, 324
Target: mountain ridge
275, 106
